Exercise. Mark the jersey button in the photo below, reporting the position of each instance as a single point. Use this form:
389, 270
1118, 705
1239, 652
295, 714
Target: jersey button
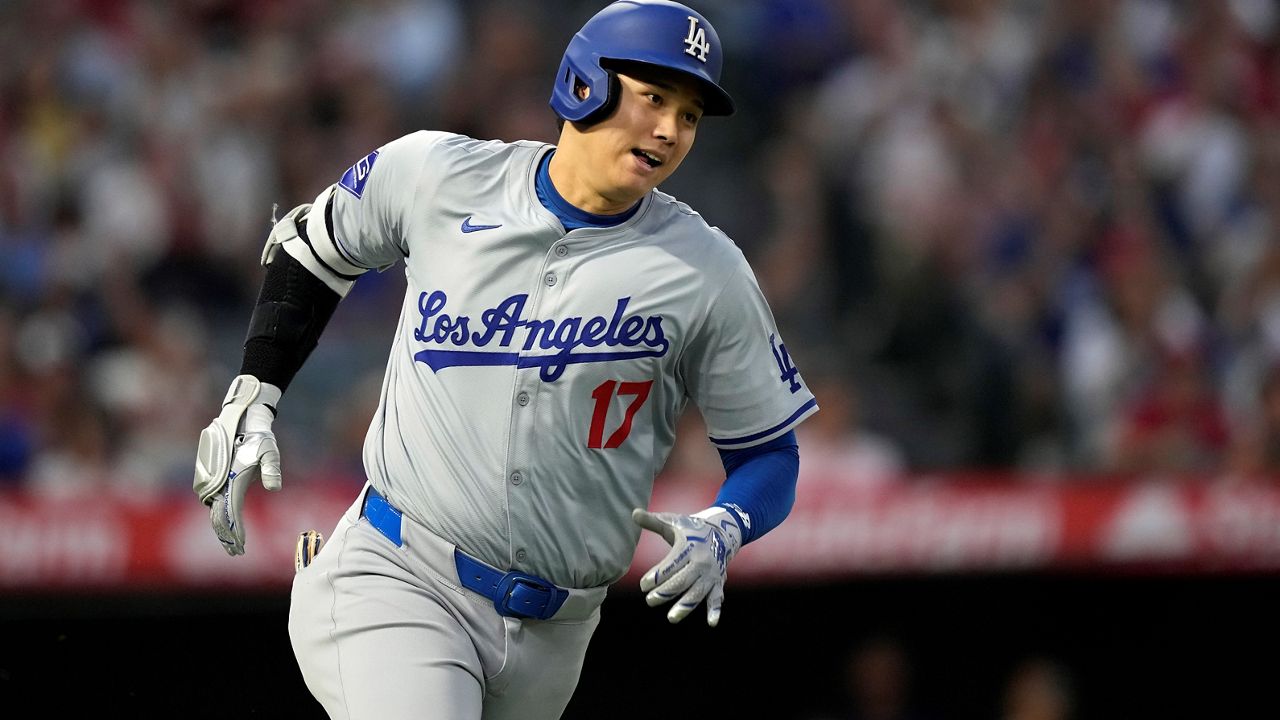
522, 399
562, 250
521, 555
549, 279
516, 478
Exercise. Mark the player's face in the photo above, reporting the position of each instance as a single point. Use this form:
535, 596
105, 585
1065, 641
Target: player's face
638, 147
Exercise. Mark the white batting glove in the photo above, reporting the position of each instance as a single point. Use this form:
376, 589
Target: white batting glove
237, 448
702, 545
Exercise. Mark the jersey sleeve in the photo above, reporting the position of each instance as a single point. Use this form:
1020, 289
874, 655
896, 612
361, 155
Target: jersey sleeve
359, 223
739, 372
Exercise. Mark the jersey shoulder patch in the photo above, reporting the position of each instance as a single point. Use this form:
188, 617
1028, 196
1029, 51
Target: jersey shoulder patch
354, 179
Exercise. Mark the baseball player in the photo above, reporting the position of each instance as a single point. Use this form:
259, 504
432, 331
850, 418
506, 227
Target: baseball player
560, 313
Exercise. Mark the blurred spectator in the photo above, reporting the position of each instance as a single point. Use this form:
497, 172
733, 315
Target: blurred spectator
841, 447
500, 86
1256, 453
1175, 425
1038, 689
1118, 329
346, 423
876, 684
153, 387
1001, 217
17, 427
74, 459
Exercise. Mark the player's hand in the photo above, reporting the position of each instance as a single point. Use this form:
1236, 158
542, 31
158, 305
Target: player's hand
236, 449
697, 564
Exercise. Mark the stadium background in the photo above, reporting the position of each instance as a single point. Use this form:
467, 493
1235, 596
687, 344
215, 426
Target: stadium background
1024, 251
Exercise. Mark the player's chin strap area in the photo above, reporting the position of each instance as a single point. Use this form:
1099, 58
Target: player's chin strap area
514, 594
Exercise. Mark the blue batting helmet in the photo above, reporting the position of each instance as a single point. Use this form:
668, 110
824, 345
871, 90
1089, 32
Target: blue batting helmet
653, 32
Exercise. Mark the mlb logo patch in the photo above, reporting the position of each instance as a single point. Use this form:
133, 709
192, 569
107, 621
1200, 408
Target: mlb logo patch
357, 175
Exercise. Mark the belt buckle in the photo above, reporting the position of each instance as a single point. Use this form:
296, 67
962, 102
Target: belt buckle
539, 601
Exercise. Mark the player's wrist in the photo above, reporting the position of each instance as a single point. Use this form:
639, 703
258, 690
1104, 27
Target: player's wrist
270, 396
248, 390
717, 513
726, 521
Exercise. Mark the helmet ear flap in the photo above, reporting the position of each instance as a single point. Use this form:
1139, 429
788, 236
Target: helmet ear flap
660, 33
612, 95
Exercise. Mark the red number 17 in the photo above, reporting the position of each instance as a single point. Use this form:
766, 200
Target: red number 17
603, 396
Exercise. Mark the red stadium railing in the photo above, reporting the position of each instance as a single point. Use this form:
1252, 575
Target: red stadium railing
922, 525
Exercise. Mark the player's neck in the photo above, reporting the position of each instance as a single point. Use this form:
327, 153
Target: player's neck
576, 187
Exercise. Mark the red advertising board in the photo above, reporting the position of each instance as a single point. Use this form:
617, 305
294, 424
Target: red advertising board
935, 524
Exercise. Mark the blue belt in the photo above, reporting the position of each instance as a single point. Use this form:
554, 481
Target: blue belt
514, 594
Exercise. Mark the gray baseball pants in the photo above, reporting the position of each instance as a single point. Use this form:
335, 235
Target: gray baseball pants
383, 632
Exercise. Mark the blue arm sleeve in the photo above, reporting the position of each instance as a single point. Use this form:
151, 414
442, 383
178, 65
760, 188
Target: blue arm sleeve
760, 484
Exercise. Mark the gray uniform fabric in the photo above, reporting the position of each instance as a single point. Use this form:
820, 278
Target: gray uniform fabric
510, 334
531, 396
385, 633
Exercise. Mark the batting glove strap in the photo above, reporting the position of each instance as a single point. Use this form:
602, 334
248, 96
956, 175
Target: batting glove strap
695, 568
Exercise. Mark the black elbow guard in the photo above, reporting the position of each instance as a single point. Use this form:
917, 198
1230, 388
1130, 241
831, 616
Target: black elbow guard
293, 308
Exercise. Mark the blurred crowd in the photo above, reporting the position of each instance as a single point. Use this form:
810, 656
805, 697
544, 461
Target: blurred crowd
876, 681
1036, 236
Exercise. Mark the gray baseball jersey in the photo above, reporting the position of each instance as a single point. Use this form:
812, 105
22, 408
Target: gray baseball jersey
536, 376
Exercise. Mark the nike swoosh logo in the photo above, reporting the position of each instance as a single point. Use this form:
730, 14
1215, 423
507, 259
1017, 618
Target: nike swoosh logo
467, 227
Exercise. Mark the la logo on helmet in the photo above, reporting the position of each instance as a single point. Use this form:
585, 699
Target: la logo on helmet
696, 43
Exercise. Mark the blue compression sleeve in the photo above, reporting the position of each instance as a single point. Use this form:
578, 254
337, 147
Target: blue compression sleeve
760, 486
